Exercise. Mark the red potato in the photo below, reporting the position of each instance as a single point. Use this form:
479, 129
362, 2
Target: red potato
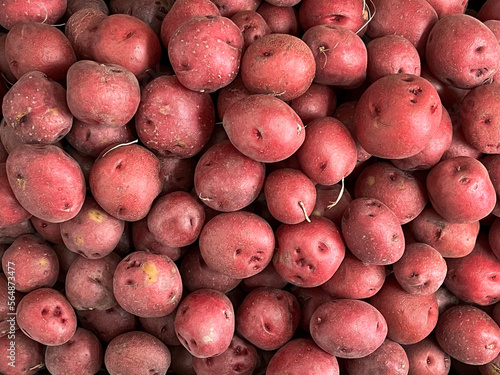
409, 125
283, 3
38, 46
473, 278
127, 41
309, 253
173, 120
197, 64
102, 94
4, 62
476, 64
162, 328
143, 240
46, 316
331, 202
230, 94
205, 323
11, 211
427, 358
46, 11
83, 354
281, 20
300, 356
391, 54
460, 189
489, 11
318, 101
278, 64
80, 29
268, 318
240, 358
444, 8
226, 180
252, 26
125, 180
412, 20
76, 5
474, 343
182, 361
10, 233
239, 244
290, 195
151, 12
66, 258
446, 299
309, 300
340, 55
147, 285
35, 262
268, 277
36, 109
459, 146
229, 8
372, 232
89, 283
24, 355
354, 279
10, 140
176, 219
494, 237
62, 193
136, 353
48, 231
176, 174
389, 358
362, 331
410, 318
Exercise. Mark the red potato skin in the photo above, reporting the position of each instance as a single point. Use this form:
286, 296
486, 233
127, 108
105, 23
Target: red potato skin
308, 253
182, 361
177, 174
76, 5
239, 244
36, 109
134, 172
10, 209
46, 316
147, 285
494, 237
136, 353
281, 20
61, 196
4, 62
229, 8
309, 300
328, 153
267, 122
444, 8
29, 355
401, 107
10, 233
198, 64
66, 258
39, 46
80, 29
363, 328
268, 277
230, 94
489, 11
205, 323
318, 101
268, 318
127, 41
35, 262
83, 354
162, 328
173, 120
226, 180
474, 343
410, 318
300, 356
427, 358
325, 197
46, 11
251, 25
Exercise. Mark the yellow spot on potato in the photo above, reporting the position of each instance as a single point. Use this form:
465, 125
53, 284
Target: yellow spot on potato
370, 180
53, 111
96, 215
181, 144
151, 271
79, 240
316, 213
42, 262
21, 182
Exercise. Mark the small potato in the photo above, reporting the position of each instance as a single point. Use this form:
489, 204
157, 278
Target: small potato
281, 20
46, 11
46, 316
182, 361
489, 11
268, 277
48, 231
137, 353
318, 101
427, 357
80, 29
278, 64
76, 5
326, 196
151, 12
46, 181
27, 356
362, 330
309, 300
83, 354
11, 211
229, 8
10, 233
251, 25
162, 328
176, 174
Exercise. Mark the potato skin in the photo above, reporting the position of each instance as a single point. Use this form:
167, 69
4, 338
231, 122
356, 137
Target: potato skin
29, 355
425, 351
281, 20
11, 210
62, 193
80, 28
47, 11
151, 12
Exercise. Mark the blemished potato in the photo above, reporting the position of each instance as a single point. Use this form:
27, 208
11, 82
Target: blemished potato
143, 240
268, 317
427, 357
264, 128
300, 356
362, 331
239, 244
47, 11
150, 11
173, 120
409, 122
102, 94
11, 211
38, 46
251, 25
278, 64
318, 101
80, 28
177, 173
28, 355
76, 5
197, 63
35, 261
204, 323
267, 277
162, 328
410, 318
125, 180
241, 357
147, 285
37, 172
36, 109
473, 47
475, 343
83, 354
135, 47
46, 316
137, 353
281, 20
229, 8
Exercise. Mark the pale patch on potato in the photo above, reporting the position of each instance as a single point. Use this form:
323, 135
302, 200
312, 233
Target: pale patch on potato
210, 337
42, 262
96, 215
79, 240
151, 271
21, 182
370, 180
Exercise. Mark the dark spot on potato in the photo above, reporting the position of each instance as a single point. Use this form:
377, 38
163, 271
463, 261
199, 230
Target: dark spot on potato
297, 250
267, 53
434, 107
414, 274
407, 79
486, 121
119, 165
258, 134
129, 282
335, 18
267, 327
479, 49
322, 166
450, 81
415, 91
116, 70
45, 311
428, 360
493, 277
479, 72
400, 70
225, 314
238, 367
301, 262
87, 135
57, 312
463, 180
376, 110
129, 35
238, 251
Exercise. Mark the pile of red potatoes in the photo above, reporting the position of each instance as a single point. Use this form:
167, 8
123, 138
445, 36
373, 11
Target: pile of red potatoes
250, 187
